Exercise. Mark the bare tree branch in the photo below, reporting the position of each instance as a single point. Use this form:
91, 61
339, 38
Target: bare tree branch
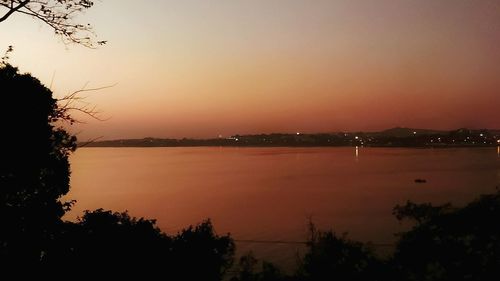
13, 9
58, 15
86, 143
75, 102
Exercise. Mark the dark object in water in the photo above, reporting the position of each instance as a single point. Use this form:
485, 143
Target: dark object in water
420, 181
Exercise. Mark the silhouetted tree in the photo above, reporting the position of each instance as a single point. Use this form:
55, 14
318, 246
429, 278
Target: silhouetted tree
333, 257
247, 266
450, 243
107, 244
34, 167
247, 270
58, 15
119, 246
446, 243
201, 254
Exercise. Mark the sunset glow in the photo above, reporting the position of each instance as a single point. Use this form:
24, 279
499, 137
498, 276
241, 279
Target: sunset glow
209, 68
250, 140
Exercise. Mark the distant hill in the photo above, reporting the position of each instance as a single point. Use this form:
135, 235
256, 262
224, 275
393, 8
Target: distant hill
395, 137
401, 132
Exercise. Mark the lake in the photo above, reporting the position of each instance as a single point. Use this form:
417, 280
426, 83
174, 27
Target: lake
270, 193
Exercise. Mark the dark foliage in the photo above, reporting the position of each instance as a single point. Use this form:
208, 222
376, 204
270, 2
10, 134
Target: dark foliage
201, 249
108, 244
247, 270
450, 243
34, 167
446, 243
333, 257
119, 246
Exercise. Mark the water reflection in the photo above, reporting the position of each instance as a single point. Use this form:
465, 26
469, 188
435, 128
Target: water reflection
268, 193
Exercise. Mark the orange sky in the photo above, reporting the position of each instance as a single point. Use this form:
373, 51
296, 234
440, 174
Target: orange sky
204, 68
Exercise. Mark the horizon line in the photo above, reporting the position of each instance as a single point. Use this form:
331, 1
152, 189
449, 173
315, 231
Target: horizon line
221, 136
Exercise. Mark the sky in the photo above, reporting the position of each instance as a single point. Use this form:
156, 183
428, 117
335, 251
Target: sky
204, 68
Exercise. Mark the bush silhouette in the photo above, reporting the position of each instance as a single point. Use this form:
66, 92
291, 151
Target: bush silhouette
446, 243
247, 270
200, 254
450, 243
108, 244
333, 257
116, 245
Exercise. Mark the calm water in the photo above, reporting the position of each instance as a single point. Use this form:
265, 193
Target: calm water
268, 193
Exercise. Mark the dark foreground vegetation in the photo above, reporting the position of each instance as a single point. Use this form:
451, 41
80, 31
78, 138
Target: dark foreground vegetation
446, 243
